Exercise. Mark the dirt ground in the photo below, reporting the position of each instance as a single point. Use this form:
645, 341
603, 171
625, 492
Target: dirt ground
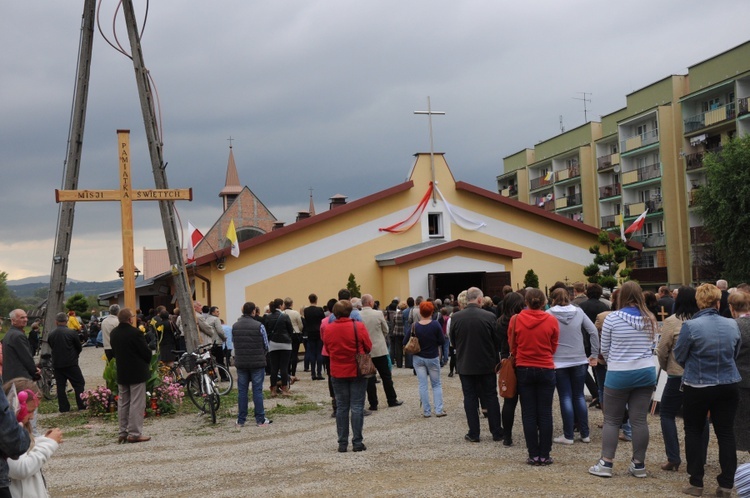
296, 455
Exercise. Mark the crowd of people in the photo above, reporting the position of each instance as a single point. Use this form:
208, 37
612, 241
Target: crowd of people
698, 338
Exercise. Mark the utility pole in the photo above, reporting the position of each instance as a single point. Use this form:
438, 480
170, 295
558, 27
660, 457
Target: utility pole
66, 213
166, 208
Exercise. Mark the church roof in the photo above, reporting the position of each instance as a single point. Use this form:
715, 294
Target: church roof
232, 184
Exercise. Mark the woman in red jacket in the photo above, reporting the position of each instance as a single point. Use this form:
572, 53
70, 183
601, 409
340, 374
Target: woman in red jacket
533, 336
343, 338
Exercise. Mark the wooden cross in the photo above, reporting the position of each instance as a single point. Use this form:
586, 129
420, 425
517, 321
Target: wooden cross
125, 195
429, 113
663, 314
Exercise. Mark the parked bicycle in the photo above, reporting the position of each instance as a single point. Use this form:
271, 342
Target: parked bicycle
203, 379
46, 381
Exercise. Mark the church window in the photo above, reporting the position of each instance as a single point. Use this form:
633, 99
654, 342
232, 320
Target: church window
435, 225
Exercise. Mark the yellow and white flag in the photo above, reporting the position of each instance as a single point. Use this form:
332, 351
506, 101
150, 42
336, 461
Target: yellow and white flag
232, 237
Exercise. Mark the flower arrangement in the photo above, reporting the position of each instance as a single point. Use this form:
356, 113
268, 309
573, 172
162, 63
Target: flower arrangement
166, 397
97, 400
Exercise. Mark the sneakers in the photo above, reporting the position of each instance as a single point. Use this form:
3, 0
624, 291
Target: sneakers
266, 422
563, 440
723, 491
239, 425
586, 439
637, 469
601, 469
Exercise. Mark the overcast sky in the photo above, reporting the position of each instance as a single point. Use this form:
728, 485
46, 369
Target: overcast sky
316, 94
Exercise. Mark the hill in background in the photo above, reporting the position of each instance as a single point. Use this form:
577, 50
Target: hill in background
27, 287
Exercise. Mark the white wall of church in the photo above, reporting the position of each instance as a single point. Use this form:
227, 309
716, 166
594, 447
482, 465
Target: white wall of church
456, 264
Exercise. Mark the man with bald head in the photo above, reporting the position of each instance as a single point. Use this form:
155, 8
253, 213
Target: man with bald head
18, 360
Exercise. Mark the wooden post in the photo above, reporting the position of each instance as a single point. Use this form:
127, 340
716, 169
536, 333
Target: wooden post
125, 195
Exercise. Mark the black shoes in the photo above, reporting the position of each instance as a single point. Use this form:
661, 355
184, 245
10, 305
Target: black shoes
372, 408
471, 439
395, 403
342, 448
359, 448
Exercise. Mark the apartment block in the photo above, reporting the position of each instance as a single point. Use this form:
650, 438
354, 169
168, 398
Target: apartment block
645, 157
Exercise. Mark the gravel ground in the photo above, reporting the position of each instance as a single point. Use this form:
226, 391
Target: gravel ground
296, 455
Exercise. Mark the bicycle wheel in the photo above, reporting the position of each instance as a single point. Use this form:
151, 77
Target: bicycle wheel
213, 405
222, 378
202, 396
194, 391
47, 384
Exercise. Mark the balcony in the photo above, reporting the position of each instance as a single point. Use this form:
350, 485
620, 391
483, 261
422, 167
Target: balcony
639, 207
609, 221
568, 201
694, 161
645, 275
509, 191
742, 106
540, 182
638, 141
547, 205
642, 174
568, 173
699, 235
712, 117
609, 191
608, 161
652, 240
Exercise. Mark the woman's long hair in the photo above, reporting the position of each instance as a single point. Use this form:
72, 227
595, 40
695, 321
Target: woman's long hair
632, 295
512, 305
685, 305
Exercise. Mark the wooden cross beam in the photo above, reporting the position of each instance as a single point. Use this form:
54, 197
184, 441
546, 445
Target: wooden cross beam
126, 196
429, 113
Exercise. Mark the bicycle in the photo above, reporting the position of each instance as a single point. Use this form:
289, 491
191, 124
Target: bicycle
221, 376
199, 384
46, 381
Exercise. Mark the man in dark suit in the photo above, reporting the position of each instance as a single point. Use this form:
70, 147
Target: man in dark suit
18, 361
473, 333
133, 359
66, 347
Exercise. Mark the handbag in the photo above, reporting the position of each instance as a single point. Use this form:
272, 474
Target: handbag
365, 366
506, 378
413, 347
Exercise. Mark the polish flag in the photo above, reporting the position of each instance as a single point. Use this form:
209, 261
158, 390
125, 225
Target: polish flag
638, 223
195, 237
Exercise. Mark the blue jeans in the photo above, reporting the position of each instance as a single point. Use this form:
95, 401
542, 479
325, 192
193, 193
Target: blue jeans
573, 407
429, 367
536, 388
314, 348
244, 377
484, 388
350, 396
671, 401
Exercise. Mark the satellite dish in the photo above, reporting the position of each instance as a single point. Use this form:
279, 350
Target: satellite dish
549, 197
617, 168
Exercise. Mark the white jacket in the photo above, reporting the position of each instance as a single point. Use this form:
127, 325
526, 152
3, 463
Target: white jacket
26, 478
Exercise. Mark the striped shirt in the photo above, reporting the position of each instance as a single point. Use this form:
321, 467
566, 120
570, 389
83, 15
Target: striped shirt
627, 346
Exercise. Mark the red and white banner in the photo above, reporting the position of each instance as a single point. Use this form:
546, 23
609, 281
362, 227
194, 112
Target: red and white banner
194, 237
638, 223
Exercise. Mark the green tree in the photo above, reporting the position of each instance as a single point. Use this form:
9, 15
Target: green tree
605, 270
8, 300
724, 203
77, 302
352, 287
531, 279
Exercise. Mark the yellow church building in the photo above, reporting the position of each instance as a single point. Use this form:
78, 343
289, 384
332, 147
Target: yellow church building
416, 238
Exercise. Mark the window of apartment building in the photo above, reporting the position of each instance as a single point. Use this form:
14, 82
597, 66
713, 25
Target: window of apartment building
571, 162
711, 104
642, 129
435, 225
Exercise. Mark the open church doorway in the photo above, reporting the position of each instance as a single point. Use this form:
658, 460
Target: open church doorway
491, 283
